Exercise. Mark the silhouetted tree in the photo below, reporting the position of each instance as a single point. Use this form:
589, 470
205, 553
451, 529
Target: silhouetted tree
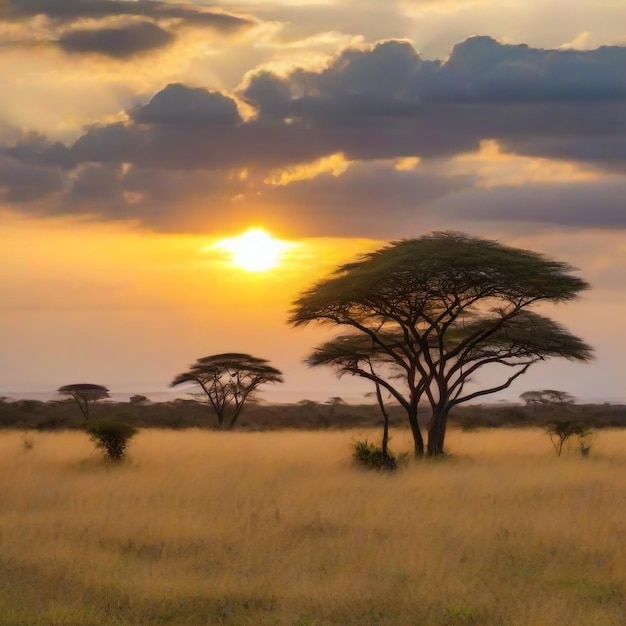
428, 313
85, 395
138, 399
227, 380
547, 396
333, 403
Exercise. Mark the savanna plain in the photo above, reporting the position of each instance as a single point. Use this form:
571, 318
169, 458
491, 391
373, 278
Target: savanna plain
199, 527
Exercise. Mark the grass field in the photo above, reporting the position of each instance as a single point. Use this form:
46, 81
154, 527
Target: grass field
280, 528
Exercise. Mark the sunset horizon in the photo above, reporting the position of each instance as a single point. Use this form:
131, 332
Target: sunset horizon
173, 176
311, 312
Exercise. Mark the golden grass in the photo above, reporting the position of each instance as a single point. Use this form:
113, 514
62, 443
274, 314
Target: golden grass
280, 528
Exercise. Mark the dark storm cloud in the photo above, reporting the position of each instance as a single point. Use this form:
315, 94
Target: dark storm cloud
69, 11
595, 204
113, 143
119, 42
21, 182
481, 69
35, 149
553, 103
385, 102
391, 80
178, 104
180, 156
139, 26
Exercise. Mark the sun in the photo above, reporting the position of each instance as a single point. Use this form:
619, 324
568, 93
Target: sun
254, 250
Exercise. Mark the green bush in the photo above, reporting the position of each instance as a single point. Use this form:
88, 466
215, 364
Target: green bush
112, 437
372, 456
560, 431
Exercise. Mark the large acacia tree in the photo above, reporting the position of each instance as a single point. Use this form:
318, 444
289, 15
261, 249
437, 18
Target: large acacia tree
427, 314
227, 381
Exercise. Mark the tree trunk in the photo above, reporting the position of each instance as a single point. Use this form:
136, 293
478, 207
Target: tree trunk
383, 410
418, 441
437, 431
234, 417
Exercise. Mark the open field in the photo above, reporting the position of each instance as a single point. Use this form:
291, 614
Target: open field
201, 527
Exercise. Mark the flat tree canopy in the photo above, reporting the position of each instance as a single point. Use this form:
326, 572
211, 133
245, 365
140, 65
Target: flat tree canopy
547, 396
85, 395
227, 380
426, 314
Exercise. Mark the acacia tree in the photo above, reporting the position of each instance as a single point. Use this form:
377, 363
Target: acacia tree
547, 396
357, 355
430, 312
227, 380
85, 395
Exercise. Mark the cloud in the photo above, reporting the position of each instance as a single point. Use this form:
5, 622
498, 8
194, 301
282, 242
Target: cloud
370, 19
385, 101
118, 42
118, 29
70, 11
390, 79
321, 148
585, 204
481, 69
22, 183
179, 104
369, 200
552, 103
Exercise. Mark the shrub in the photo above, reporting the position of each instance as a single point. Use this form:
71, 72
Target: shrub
112, 437
372, 456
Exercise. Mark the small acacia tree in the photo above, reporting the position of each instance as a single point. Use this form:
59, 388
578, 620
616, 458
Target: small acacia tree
560, 432
547, 396
227, 381
427, 314
85, 395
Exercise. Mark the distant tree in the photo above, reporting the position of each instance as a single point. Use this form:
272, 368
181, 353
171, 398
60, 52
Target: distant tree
333, 403
85, 395
427, 314
310, 404
227, 381
138, 399
561, 430
547, 396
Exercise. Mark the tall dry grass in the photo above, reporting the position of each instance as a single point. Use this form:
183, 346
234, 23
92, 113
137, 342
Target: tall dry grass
280, 528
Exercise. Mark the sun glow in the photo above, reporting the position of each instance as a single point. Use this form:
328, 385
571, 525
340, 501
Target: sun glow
254, 251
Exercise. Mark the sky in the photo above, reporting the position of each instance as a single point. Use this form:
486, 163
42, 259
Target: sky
136, 135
